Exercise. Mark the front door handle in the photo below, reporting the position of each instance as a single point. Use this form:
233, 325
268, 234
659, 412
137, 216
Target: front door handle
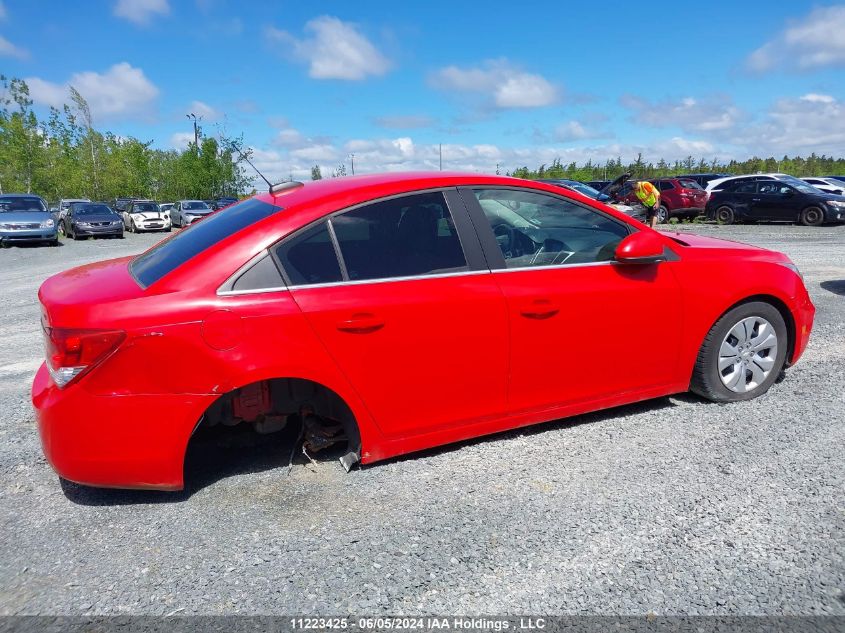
361, 323
540, 309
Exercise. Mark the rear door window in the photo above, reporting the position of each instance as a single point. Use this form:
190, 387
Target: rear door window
151, 266
408, 236
689, 184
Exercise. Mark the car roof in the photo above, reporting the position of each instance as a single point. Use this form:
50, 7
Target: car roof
20, 195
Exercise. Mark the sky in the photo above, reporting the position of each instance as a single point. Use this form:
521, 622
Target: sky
396, 85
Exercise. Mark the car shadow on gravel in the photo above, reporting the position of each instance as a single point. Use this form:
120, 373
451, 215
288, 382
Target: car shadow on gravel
242, 452
836, 286
215, 456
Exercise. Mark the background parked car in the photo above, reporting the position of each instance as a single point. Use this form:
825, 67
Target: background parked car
775, 200
120, 204
24, 218
679, 197
165, 207
64, 205
186, 211
94, 219
842, 178
702, 179
829, 185
145, 215
719, 183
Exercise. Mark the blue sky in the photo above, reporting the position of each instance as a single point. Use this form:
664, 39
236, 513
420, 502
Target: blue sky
494, 83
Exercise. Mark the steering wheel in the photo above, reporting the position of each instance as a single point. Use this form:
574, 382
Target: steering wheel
503, 230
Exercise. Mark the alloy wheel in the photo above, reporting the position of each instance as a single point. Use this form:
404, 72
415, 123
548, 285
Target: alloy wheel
747, 354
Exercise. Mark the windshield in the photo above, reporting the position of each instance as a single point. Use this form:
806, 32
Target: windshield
587, 190
168, 255
16, 204
195, 206
805, 188
91, 209
145, 206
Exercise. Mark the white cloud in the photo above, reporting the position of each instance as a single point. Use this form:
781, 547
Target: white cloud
404, 122
316, 153
811, 123
141, 12
499, 83
7, 49
203, 110
577, 131
712, 114
814, 42
334, 50
122, 91
181, 140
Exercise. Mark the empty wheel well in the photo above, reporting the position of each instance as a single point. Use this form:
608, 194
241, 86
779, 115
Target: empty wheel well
270, 405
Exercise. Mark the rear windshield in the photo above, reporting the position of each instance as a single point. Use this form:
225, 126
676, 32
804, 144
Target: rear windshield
689, 184
151, 266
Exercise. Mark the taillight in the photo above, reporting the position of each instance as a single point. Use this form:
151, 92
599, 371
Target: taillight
73, 352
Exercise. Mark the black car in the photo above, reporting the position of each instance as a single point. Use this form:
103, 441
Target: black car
702, 179
95, 219
775, 201
120, 204
598, 184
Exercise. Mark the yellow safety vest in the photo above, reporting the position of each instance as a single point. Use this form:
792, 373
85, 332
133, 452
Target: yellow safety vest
647, 193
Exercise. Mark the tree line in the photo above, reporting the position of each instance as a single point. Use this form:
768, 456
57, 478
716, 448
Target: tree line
813, 165
64, 156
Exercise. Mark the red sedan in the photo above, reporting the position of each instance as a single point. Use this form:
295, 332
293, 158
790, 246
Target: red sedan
398, 312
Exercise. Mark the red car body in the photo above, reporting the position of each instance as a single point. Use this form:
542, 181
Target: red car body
418, 361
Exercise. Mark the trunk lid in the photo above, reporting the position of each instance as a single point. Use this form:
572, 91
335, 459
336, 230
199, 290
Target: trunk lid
71, 298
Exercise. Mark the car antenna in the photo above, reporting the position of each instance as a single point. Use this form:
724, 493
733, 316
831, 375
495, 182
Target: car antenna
273, 188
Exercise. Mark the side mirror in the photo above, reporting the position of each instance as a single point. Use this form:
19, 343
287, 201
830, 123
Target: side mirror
642, 247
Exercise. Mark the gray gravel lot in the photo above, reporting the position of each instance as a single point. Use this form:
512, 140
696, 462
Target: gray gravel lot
674, 506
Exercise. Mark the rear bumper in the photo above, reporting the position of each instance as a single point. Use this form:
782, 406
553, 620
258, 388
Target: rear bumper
115, 441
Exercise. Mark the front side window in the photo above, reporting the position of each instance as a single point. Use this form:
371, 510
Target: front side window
401, 237
534, 229
774, 188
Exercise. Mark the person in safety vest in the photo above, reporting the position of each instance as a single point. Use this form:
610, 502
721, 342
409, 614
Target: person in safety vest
649, 196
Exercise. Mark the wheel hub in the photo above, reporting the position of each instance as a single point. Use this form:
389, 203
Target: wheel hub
747, 354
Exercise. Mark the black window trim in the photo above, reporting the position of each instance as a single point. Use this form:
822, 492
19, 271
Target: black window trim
226, 288
467, 238
485, 232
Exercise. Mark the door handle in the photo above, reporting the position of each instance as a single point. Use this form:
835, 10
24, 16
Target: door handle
362, 323
755, 199
540, 309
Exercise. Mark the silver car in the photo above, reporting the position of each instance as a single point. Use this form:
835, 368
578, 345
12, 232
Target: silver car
24, 218
184, 212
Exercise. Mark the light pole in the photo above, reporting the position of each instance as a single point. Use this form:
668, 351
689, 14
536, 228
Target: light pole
196, 131
352, 160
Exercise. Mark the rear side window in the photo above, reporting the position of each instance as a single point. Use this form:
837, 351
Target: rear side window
665, 185
402, 237
151, 266
747, 187
310, 258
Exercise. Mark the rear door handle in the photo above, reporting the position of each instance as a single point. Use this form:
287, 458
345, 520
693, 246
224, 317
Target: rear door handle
540, 309
361, 323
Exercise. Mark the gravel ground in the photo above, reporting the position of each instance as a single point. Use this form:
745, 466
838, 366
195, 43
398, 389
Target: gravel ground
674, 506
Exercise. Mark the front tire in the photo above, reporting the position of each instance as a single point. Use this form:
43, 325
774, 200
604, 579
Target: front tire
62, 229
662, 215
812, 216
742, 355
725, 215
